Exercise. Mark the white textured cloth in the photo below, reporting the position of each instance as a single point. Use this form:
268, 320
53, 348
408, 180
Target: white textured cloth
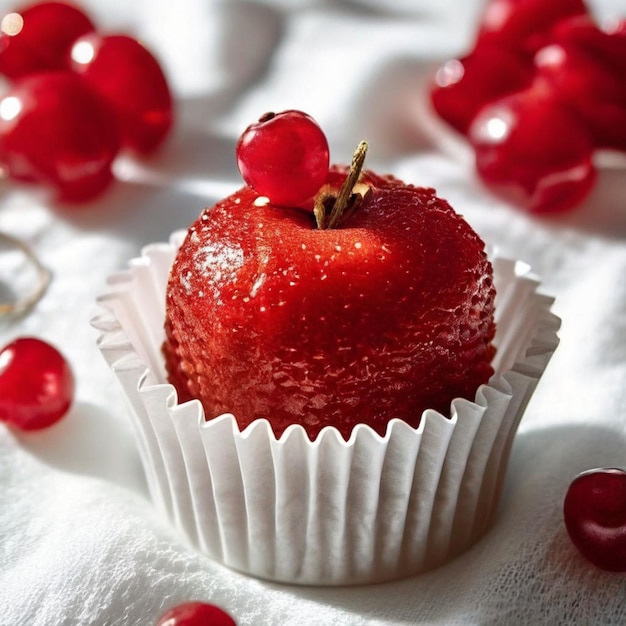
79, 541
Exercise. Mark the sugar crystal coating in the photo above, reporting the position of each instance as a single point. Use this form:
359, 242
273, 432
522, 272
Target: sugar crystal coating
386, 316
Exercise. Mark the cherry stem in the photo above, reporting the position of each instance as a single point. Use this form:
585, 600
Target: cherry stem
43, 279
345, 192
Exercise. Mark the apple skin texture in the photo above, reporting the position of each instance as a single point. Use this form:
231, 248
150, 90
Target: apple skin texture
381, 318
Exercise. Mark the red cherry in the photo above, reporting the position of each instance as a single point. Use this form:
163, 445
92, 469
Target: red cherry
129, 78
525, 25
607, 46
590, 87
533, 150
586, 67
38, 37
284, 156
594, 512
196, 614
463, 86
36, 384
55, 130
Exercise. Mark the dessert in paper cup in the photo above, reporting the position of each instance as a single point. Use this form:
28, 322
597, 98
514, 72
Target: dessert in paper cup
306, 481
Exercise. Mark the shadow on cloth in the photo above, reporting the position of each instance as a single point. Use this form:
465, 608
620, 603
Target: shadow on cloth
139, 212
87, 441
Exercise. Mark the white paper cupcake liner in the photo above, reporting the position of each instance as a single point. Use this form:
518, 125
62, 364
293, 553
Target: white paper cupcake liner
325, 512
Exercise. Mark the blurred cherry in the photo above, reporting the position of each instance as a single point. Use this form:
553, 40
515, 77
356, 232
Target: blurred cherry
461, 87
590, 87
607, 45
54, 130
524, 25
534, 151
129, 78
37, 37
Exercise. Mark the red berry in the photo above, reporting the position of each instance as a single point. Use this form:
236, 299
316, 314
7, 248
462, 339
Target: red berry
585, 67
607, 46
534, 150
38, 37
541, 90
56, 131
284, 156
525, 25
196, 614
129, 78
590, 87
36, 384
594, 512
461, 87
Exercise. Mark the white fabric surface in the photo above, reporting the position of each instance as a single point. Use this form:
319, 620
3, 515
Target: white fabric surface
79, 541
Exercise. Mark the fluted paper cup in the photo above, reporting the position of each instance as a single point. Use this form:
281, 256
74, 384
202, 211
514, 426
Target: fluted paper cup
327, 512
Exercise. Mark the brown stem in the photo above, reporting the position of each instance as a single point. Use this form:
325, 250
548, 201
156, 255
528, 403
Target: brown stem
341, 199
43, 279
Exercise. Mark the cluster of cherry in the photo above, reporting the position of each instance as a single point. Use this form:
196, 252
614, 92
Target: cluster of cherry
76, 97
542, 89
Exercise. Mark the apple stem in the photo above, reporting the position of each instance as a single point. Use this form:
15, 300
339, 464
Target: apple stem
341, 200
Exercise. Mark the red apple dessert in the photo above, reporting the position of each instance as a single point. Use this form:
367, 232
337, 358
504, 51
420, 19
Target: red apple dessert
328, 300
371, 301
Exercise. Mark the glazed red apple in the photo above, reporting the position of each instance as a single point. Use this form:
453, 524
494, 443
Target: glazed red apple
385, 315
594, 512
